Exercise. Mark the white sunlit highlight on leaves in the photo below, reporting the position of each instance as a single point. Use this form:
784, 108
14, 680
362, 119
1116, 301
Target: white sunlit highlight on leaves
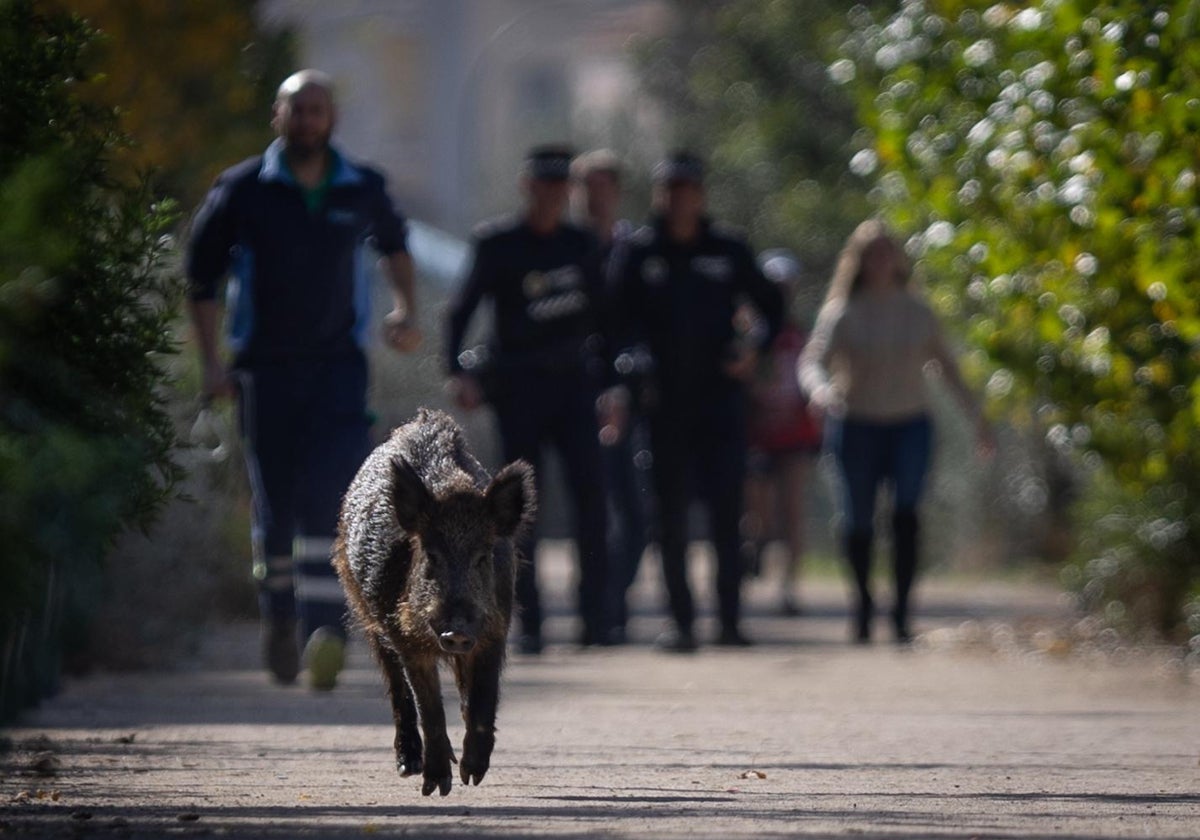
1059, 137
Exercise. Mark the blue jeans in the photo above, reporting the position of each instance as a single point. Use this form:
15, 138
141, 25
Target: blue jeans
870, 453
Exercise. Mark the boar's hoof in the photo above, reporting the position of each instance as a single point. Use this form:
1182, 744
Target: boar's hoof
408, 765
472, 775
452, 641
441, 784
437, 770
476, 757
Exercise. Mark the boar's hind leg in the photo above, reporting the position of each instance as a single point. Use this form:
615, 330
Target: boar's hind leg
404, 712
479, 688
427, 691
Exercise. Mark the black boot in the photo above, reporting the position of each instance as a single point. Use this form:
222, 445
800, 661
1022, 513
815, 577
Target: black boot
858, 553
904, 542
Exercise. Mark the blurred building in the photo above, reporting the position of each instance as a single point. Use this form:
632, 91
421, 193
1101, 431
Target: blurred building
446, 94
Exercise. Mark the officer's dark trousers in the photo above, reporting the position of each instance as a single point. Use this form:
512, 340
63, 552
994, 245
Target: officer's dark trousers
699, 450
535, 409
305, 434
628, 510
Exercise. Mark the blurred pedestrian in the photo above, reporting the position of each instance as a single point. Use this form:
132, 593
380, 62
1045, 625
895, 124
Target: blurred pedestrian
545, 367
292, 226
597, 178
785, 434
676, 285
865, 367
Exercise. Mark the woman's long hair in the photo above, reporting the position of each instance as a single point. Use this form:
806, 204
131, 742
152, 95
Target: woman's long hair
848, 275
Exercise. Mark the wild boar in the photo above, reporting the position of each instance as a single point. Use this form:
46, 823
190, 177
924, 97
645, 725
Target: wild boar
426, 554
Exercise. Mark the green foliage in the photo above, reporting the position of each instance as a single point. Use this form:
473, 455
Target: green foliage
746, 84
193, 81
86, 304
1045, 155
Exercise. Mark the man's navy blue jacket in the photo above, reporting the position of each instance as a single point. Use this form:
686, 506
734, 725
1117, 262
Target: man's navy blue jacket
300, 281
679, 300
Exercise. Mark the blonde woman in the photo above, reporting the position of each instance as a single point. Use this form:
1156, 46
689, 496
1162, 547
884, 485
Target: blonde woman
864, 366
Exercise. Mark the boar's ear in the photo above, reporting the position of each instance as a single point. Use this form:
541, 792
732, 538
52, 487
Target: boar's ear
410, 496
511, 498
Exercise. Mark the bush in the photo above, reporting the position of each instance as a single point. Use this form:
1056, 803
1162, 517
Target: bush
86, 303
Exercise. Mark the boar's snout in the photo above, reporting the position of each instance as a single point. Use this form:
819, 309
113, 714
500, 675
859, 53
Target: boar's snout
456, 641
457, 630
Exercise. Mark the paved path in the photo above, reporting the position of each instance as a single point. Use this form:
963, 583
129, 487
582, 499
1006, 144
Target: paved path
997, 724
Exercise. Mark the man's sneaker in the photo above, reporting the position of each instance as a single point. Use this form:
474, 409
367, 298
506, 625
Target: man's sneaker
324, 658
281, 653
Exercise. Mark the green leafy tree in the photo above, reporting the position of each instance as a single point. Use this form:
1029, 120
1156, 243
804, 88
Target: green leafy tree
1044, 156
85, 311
746, 84
193, 80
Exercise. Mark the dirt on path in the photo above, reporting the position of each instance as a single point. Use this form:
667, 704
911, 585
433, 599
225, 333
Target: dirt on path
1007, 719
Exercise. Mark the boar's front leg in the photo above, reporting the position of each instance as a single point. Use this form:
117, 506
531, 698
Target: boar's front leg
404, 711
427, 692
479, 688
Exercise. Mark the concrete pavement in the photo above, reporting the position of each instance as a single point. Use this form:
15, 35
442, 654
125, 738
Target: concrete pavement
1008, 719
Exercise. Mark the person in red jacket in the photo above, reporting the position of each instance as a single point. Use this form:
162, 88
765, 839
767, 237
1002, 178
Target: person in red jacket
784, 436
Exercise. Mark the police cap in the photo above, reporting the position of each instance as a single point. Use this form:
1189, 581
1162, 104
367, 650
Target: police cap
679, 167
548, 163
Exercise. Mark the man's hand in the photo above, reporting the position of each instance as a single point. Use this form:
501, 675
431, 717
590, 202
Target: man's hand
400, 331
612, 412
742, 365
465, 391
216, 384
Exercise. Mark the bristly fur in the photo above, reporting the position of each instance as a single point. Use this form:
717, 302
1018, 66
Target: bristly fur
426, 554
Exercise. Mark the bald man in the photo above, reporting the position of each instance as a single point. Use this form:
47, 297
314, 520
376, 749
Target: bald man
290, 230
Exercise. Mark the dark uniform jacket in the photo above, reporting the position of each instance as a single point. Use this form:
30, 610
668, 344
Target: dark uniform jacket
546, 293
300, 280
679, 300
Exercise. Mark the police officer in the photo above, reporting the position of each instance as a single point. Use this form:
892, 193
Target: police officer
597, 179
545, 367
676, 286
292, 227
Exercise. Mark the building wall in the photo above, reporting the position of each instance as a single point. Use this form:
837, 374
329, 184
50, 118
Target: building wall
445, 95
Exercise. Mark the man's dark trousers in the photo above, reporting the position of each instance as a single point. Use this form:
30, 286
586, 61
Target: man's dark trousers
305, 427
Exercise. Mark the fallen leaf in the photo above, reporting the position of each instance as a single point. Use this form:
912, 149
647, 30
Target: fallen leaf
753, 774
188, 816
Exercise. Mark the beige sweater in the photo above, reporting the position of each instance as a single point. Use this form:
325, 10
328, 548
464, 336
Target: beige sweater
867, 358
